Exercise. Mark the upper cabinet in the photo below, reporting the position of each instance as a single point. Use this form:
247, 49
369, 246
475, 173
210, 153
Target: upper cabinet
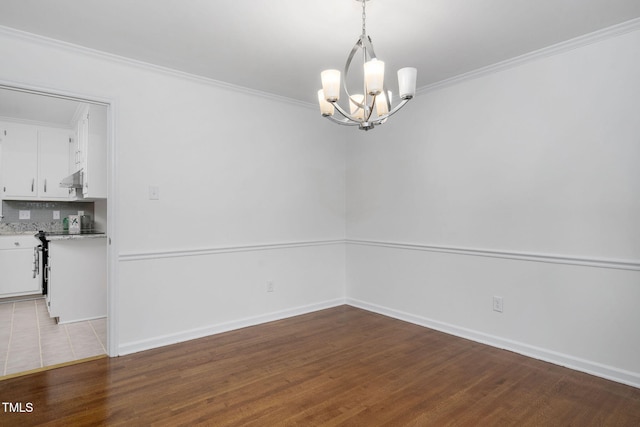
53, 163
89, 150
19, 166
34, 161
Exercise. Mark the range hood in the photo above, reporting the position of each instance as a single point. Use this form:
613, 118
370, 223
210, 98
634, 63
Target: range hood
73, 181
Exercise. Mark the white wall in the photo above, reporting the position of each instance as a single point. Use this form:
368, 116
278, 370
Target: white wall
239, 174
535, 162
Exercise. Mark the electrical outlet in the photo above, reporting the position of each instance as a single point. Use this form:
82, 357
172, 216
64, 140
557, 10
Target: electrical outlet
497, 304
154, 192
56, 214
24, 214
270, 286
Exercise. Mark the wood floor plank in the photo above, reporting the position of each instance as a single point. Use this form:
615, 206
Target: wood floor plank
337, 367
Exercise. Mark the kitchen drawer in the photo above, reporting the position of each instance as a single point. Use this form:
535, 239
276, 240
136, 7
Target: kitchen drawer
17, 266
18, 241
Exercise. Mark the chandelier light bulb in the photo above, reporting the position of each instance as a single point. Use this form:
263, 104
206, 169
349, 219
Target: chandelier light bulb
382, 107
356, 110
331, 85
374, 76
407, 82
326, 108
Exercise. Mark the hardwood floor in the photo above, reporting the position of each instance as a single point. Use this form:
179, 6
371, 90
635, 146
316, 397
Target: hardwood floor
341, 366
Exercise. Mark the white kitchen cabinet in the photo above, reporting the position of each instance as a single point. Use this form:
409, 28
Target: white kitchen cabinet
53, 163
19, 160
77, 287
90, 151
34, 161
17, 266
81, 128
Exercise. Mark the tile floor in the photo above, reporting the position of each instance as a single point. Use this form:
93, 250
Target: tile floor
30, 339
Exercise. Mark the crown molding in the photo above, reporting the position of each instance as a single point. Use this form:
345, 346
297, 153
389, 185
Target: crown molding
74, 48
556, 49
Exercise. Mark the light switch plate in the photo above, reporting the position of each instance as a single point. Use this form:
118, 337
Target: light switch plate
154, 192
24, 214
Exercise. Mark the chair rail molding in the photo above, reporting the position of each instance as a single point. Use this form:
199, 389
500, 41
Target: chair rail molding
618, 264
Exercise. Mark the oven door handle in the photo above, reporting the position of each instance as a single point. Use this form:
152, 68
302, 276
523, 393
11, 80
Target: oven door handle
36, 260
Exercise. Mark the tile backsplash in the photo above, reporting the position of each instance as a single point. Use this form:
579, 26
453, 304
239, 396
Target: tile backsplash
40, 214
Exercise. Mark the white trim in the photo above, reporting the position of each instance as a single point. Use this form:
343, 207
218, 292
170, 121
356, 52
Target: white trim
160, 341
218, 250
561, 359
52, 92
113, 324
34, 122
556, 49
84, 319
74, 48
618, 264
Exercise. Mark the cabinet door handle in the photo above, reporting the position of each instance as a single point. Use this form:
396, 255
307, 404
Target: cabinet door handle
33, 182
45, 185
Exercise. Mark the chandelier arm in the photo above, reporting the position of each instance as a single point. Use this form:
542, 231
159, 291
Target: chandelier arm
367, 45
392, 112
370, 109
344, 113
347, 65
344, 122
386, 96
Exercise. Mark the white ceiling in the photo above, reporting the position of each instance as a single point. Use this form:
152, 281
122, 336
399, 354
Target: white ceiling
280, 46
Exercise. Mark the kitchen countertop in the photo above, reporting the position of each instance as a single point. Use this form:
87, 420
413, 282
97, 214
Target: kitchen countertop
18, 233
65, 235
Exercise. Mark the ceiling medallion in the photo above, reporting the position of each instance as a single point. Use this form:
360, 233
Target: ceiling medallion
373, 106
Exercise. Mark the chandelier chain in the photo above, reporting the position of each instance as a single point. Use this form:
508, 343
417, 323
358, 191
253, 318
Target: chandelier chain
364, 18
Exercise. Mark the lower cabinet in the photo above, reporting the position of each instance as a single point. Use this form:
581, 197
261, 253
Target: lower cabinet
17, 263
77, 279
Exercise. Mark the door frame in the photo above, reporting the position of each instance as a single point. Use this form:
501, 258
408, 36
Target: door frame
112, 186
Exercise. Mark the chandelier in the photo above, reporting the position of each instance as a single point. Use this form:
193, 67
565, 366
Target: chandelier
372, 106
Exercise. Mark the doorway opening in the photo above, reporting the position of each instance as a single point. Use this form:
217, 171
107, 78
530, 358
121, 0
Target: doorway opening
45, 114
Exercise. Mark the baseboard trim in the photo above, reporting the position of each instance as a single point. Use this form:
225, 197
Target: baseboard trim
565, 360
163, 340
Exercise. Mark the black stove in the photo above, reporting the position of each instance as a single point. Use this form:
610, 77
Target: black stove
44, 249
